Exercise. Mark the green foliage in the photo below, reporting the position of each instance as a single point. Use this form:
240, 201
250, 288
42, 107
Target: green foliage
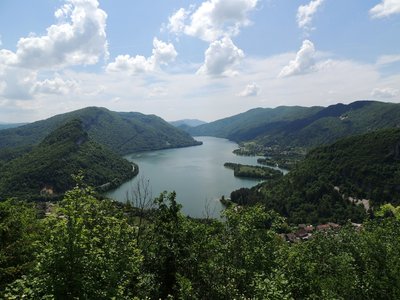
18, 232
88, 251
123, 133
317, 190
65, 151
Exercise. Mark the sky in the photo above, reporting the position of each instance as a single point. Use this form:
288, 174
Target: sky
194, 59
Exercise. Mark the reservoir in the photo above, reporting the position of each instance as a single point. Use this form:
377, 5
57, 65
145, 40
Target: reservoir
197, 175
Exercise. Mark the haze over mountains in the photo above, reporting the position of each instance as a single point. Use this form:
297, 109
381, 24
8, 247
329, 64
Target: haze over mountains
288, 126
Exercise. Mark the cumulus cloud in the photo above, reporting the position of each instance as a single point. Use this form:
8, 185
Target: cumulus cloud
303, 63
251, 90
78, 38
213, 19
385, 9
162, 54
56, 86
176, 22
384, 93
221, 58
305, 13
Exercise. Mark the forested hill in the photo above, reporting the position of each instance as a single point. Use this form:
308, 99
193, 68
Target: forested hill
121, 132
47, 168
319, 187
244, 126
302, 126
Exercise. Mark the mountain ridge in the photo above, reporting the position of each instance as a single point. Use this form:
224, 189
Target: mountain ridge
123, 132
304, 126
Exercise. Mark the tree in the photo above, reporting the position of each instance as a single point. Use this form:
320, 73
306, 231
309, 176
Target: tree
18, 234
88, 251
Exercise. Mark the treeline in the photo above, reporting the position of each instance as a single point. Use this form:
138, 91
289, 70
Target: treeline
260, 172
90, 249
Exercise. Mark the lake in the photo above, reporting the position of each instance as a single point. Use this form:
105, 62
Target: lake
197, 174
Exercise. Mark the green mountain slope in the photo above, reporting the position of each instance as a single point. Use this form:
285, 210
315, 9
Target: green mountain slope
319, 187
246, 125
304, 127
121, 132
50, 164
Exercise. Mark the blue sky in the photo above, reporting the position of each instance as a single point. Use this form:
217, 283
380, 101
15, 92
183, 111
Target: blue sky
194, 59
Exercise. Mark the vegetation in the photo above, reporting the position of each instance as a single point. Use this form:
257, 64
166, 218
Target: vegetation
45, 170
240, 170
89, 249
303, 127
319, 188
123, 133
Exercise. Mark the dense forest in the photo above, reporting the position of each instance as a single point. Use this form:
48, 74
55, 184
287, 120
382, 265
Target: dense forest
75, 244
122, 132
45, 171
294, 126
84, 248
330, 182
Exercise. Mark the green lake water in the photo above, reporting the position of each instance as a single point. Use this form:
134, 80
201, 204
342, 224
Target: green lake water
197, 174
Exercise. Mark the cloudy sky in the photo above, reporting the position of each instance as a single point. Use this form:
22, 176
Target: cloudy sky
194, 59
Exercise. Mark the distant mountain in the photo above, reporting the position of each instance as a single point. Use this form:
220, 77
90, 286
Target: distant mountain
187, 122
318, 189
302, 126
10, 125
47, 168
122, 132
250, 124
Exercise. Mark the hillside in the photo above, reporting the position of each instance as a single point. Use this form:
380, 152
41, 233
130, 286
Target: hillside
187, 122
246, 125
122, 132
50, 164
10, 125
302, 126
319, 187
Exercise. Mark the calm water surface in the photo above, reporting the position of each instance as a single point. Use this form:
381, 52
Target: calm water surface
197, 174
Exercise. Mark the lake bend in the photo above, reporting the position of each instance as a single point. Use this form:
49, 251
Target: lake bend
197, 175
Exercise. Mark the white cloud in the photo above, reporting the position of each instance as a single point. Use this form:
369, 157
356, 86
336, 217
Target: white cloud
385, 9
303, 63
305, 13
78, 38
56, 86
384, 93
221, 58
213, 19
162, 54
251, 90
176, 22
17, 83
388, 59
